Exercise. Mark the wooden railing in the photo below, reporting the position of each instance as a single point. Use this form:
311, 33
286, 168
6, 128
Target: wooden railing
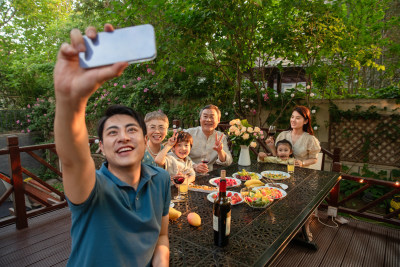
21, 189
364, 211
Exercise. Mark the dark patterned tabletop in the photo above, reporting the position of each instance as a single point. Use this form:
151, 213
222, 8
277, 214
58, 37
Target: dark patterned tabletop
257, 235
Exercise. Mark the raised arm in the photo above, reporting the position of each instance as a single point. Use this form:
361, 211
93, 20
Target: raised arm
271, 145
160, 159
73, 87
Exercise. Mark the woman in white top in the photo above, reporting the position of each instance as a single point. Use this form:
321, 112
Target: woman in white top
300, 133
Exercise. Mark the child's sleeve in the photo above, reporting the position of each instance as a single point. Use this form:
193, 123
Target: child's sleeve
191, 171
270, 159
170, 165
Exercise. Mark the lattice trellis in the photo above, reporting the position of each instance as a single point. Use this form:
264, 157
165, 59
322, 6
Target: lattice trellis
370, 141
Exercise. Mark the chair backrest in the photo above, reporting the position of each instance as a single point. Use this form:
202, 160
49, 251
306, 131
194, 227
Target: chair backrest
318, 164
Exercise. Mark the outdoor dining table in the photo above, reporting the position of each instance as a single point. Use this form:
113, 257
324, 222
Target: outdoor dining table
257, 235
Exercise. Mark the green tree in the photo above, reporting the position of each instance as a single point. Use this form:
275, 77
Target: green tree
28, 47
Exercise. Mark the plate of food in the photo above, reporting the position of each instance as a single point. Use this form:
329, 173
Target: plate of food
275, 175
255, 198
230, 182
281, 185
245, 175
274, 192
202, 188
235, 197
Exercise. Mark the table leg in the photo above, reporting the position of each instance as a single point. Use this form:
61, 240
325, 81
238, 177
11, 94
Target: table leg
304, 240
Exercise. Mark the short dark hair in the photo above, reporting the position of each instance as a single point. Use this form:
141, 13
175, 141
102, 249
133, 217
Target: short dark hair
212, 107
119, 110
184, 137
284, 141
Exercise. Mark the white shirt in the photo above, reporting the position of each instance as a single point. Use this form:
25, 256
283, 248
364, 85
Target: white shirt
306, 147
173, 163
202, 144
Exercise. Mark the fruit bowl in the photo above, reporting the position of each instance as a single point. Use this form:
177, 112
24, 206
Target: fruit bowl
255, 198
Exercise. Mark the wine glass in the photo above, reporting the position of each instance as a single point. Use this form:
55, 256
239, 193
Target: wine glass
205, 159
272, 130
179, 179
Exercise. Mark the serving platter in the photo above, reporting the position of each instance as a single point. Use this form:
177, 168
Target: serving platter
202, 188
214, 181
283, 192
275, 175
252, 174
211, 198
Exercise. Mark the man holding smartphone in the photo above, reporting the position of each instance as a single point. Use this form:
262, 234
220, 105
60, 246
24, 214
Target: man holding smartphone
120, 212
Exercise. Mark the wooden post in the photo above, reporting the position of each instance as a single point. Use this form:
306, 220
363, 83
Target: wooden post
279, 82
17, 182
334, 195
336, 154
336, 167
176, 124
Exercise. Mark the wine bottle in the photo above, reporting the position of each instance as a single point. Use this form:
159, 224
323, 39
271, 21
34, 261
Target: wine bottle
222, 214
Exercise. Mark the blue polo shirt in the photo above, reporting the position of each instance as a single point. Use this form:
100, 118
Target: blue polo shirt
118, 225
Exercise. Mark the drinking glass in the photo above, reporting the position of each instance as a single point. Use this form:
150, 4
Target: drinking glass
179, 180
184, 187
205, 159
290, 166
272, 130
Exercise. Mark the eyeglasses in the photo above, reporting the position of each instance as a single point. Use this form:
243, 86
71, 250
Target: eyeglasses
154, 127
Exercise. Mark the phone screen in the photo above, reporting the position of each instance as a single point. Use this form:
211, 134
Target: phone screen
132, 44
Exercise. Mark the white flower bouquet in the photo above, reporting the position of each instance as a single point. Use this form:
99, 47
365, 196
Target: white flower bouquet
241, 132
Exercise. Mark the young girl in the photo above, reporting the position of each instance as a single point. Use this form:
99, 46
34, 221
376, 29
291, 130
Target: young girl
283, 152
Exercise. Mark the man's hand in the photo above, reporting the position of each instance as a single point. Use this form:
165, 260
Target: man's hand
218, 146
72, 81
200, 168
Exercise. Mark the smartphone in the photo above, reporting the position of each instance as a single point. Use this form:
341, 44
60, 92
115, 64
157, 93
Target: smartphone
132, 44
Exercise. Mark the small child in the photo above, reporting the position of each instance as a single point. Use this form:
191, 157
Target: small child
283, 152
177, 161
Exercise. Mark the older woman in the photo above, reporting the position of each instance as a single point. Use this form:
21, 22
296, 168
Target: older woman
157, 127
209, 142
300, 133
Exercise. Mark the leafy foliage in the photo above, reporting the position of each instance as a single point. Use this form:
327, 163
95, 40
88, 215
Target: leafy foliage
212, 51
38, 117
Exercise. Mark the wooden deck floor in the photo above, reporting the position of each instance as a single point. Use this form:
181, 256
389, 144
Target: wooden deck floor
47, 243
